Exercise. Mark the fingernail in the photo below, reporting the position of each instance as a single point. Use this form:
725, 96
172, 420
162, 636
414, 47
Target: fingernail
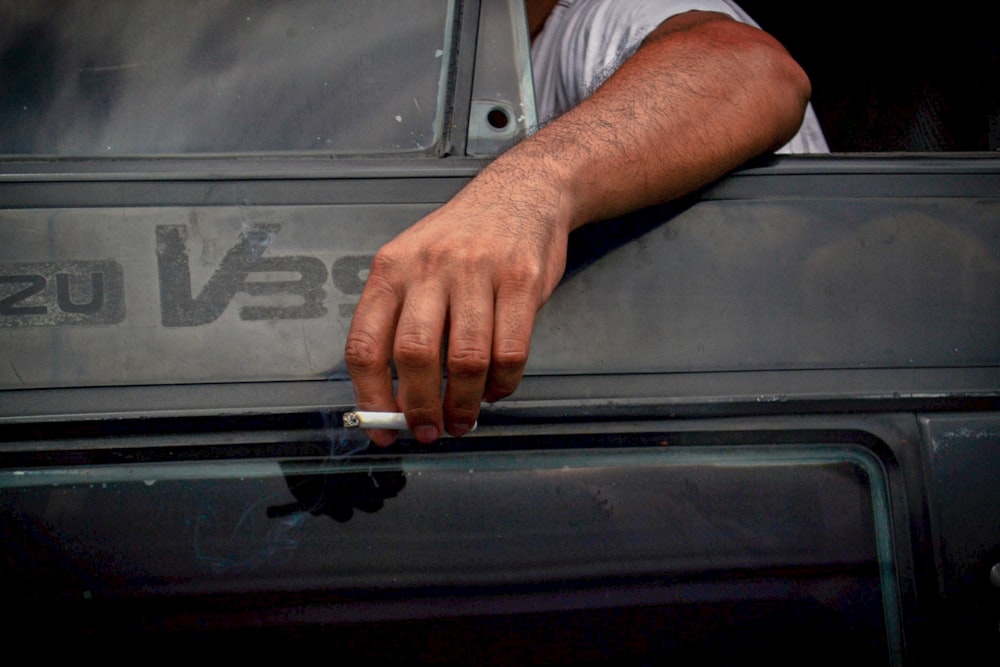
460, 429
426, 433
382, 438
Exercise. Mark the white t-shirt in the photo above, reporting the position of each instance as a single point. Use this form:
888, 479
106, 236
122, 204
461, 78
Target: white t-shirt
584, 41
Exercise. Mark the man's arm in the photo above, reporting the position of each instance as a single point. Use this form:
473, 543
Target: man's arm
701, 96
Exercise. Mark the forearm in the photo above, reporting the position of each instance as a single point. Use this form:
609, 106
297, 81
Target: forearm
703, 95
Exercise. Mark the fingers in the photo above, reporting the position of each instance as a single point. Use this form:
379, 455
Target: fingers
470, 344
417, 351
488, 342
404, 324
515, 310
483, 288
368, 353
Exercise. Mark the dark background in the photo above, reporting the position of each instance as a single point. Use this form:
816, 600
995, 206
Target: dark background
894, 76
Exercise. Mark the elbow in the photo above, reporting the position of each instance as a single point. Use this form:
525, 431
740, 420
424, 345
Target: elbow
795, 90
793, 80
784, 89
776, 89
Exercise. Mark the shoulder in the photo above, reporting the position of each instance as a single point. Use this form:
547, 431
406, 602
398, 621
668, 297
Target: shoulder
589, 33
583, 41
630, 15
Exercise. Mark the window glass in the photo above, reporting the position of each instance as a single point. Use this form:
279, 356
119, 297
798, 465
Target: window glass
765, 539
120, 77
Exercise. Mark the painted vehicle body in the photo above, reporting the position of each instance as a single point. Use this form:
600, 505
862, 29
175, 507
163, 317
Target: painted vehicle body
764, 420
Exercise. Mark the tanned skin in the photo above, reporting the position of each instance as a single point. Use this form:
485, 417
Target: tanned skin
700, 97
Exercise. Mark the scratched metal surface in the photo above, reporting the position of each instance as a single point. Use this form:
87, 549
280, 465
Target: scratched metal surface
181, 294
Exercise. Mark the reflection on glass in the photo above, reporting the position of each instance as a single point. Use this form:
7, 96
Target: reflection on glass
99, 77
338, 494
680, 532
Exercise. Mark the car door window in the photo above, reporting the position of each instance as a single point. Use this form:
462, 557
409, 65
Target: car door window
150, 77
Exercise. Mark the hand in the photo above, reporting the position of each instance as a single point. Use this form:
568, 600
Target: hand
465, 283
701, 96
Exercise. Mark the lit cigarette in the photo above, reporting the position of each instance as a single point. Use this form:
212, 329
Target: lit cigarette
392, 421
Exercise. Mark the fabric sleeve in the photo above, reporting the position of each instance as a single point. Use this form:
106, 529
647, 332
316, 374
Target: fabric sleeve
583, 42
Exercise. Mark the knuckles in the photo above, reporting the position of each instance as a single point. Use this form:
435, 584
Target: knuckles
467, 361
362, 352
505, 374
386, 262
516, 276
510, 357
415, 350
